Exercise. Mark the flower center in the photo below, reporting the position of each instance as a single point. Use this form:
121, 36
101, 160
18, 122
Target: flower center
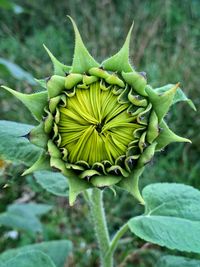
94, 126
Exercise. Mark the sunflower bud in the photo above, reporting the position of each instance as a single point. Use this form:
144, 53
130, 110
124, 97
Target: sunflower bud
99, 124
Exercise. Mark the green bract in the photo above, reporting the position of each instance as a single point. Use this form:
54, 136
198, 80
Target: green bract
99, 124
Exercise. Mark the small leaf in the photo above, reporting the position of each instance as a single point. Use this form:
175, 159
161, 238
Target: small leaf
166, 137
37, 136
176, 261
58, 251
153, 127
131, 184
53, 182
178, 97
42, 82
82, 61
55, 85
102, 181
76, 186
16, 71
34, 102
42, 163
15, 147
30, 259
59, 68
136, 81
147, 155
172, 217
120, 61
161, 102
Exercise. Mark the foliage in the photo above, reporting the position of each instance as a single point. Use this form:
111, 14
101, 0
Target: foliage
170, 37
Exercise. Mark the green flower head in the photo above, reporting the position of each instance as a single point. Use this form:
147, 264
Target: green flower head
99, 124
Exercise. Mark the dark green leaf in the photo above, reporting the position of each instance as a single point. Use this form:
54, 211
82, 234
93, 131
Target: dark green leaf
58, 251
30, 259
34, 208
21, 220
172, 217
53, 182
175, 261
17, 72
13, 146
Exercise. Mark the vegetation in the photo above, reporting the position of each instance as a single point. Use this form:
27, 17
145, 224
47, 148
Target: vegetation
165, 45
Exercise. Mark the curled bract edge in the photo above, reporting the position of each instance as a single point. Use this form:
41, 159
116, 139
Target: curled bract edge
117, 117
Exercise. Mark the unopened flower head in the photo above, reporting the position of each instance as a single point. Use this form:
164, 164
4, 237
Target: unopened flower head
99, 124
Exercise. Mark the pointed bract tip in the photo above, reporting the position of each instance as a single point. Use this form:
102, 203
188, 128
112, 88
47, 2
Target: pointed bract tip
27, 136
177, 86
120, 61
131, 28
25, 172
82, 60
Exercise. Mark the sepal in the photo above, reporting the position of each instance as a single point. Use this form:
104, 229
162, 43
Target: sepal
136, 81
42, 82
34, 102
147, 155
73, 79
120, 61
103, 181
82, 60
53, 150
76, 185
166, 137
37, 136
131, 184
178, 97
153, 127
43, 163
161, 102
59, 68
55, 85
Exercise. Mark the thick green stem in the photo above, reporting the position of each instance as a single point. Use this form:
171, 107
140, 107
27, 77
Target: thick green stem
100, 225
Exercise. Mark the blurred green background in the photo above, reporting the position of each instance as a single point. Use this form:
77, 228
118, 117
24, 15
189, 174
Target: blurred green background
165, 45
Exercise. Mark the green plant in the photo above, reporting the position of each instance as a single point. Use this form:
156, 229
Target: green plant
100, 125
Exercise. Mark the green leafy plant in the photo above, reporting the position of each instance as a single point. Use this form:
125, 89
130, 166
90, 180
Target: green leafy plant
99, 125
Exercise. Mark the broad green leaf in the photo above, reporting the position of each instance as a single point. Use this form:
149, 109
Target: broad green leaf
58, 251
15, 71
15, 147
21, 220
176, 200
24, 216
172, 217
53, 182
179, 95
33, 208
30, 259
176, 261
